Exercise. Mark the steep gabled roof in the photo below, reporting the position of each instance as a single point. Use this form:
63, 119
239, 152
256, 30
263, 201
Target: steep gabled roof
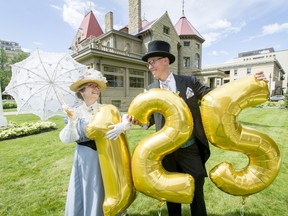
146, 25
185, 28
89, 28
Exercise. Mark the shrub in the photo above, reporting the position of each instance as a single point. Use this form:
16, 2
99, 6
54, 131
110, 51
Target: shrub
9, 104
286, 100
13, 130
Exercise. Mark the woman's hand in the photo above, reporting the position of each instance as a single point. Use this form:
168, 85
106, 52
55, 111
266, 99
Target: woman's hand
68, 110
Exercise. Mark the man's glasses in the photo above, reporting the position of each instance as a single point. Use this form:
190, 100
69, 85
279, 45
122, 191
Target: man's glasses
153, 61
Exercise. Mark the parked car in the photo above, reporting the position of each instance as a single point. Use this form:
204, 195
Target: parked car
277, 97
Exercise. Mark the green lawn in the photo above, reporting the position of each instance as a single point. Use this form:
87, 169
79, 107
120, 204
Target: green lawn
34, 172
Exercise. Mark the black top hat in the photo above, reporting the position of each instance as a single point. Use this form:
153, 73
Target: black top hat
159, 48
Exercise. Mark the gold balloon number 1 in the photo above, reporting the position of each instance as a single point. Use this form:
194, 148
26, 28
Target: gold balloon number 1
114, 159
220, 109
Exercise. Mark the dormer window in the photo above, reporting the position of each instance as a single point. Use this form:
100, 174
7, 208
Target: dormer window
166, 30
186, 43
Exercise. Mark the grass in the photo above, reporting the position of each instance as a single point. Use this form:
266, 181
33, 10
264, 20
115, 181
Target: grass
34, 172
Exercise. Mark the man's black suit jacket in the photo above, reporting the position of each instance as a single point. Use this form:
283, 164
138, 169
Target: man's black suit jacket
199, 90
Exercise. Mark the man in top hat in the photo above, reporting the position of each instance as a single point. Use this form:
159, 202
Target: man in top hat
191, 156
85, 195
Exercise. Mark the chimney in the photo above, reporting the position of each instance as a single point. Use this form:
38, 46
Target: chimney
135, 22
109, 21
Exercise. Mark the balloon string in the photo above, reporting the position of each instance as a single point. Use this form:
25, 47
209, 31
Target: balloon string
242, 208
160, 207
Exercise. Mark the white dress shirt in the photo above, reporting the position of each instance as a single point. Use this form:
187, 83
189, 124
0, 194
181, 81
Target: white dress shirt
169, 83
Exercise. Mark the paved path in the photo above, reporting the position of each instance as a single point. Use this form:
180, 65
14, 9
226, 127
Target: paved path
10, 113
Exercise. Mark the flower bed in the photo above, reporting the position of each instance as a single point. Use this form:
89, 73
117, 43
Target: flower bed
14, 130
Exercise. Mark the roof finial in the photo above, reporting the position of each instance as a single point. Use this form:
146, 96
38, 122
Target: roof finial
183, 15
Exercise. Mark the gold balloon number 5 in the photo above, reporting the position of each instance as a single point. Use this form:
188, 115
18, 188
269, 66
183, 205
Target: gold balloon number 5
220, 109
148, 175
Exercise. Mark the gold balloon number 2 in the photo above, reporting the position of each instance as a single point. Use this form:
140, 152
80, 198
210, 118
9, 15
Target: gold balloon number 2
220, 109
148, 175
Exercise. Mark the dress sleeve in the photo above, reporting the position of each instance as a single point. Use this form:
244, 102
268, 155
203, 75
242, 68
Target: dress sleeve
69, 133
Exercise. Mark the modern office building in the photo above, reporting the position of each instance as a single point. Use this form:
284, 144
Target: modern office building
273, 64
9, 45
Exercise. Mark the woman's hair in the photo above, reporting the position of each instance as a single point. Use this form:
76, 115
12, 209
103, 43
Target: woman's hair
79, 90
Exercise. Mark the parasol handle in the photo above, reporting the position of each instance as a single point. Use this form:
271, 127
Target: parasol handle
65, 107
59, 96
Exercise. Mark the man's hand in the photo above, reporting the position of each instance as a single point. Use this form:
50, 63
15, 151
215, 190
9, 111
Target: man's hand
260, 76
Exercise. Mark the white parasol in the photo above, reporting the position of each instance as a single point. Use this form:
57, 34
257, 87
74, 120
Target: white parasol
40, 83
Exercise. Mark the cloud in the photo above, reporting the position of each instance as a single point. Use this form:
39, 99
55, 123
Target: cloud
211, 38
222, 31
219, 24
38, 43
270, 30
218, 53
75, 10
274, 28
56, 7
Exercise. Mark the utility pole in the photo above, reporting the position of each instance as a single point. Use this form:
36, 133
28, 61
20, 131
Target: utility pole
3, 120
270, 90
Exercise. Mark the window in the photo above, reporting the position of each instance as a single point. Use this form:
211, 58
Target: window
114, 76
115, 81
196, 61
116, 103
235, 72
197, 46
136, 78
166, 29
186, 43
248, 71
186, 62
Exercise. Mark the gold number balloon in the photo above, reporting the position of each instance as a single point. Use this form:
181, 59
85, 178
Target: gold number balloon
114, 158
148, 174
220, 109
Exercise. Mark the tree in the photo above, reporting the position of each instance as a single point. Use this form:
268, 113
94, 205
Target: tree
5, 69
19, 57
3, 59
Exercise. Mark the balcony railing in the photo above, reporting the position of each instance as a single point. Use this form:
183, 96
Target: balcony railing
93, 45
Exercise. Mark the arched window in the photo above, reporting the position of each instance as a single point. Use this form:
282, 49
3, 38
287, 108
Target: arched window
196, 61
186, 62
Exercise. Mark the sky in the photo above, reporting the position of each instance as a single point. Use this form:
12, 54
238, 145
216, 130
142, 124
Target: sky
229, 27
